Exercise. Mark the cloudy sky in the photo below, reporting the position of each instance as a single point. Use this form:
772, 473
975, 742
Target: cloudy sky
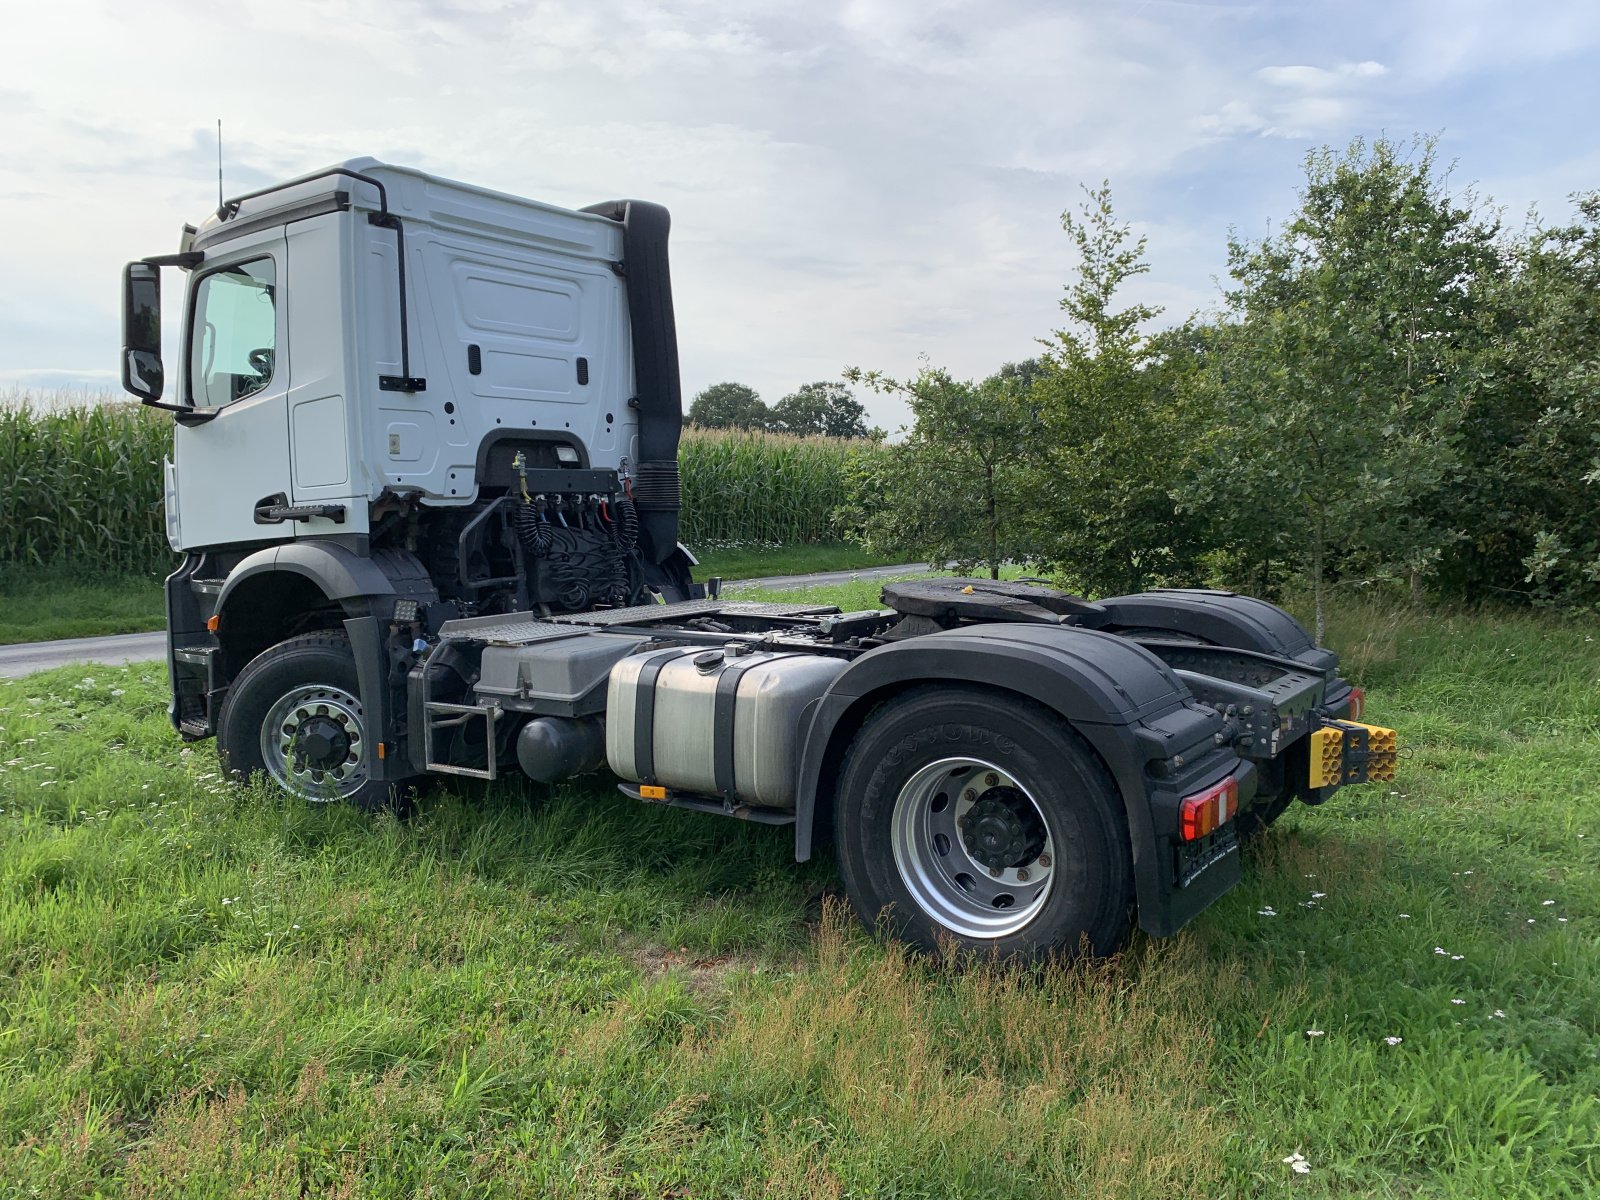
854, 183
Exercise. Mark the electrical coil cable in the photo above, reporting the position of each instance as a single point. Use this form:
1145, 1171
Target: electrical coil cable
580, 550
533, 528
627, 521
625, 575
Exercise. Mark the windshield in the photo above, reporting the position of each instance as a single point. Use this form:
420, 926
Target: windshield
235, 334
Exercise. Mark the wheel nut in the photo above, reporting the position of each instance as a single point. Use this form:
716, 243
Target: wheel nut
995, 871
1022, 874
1044, 860
991, 779
969, 795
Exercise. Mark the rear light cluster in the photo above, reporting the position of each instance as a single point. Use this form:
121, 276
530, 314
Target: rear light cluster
1210, 810
1358, 703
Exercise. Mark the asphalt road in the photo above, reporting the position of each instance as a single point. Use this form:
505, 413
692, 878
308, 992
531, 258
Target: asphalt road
27, 657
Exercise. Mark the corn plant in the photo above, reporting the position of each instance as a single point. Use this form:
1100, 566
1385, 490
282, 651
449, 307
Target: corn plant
80, 485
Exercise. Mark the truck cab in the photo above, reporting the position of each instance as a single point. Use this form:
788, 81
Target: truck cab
425, 486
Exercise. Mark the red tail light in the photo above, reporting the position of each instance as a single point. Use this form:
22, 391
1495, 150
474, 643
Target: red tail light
1208, 810
1358, 703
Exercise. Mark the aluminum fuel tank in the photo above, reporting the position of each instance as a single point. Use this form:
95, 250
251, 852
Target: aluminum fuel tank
706, 720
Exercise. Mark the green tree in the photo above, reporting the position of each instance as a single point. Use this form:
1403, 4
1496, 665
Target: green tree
729, 406
1532, 441
826, 408
1113, 428
952, 490
1340, 387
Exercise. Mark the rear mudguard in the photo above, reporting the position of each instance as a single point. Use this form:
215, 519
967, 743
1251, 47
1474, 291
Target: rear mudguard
1157, 742
1221, 618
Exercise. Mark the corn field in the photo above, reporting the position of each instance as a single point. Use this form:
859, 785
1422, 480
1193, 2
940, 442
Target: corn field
80, 485
740, 486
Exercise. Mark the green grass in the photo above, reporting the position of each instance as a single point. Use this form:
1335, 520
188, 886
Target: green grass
44, 603
755, 560
209, 991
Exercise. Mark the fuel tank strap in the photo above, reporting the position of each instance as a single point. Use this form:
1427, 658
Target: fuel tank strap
722, 714
644, 716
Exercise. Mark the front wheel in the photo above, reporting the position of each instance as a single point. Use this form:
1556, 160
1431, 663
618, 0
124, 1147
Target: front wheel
982, 819
294, 714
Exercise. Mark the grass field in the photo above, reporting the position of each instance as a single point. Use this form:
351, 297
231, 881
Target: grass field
42, 604
45, 603
209, 991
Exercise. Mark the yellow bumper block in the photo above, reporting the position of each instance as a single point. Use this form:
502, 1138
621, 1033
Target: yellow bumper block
1348, 752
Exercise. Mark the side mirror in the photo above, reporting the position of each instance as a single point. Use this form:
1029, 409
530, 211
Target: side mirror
142, 372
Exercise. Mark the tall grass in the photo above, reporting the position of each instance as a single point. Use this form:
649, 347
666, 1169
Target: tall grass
763, 487
210, 990
80, 484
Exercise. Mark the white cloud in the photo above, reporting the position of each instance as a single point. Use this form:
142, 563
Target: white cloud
851, 181
1320, 78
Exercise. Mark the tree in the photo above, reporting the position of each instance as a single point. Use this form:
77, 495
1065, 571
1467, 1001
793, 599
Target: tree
825, 408
951, 491
1531, 442
1351, 358
729, 406
1113, 431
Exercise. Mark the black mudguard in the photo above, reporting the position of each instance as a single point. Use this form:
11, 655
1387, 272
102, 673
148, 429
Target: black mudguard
1157, 742
1221, 618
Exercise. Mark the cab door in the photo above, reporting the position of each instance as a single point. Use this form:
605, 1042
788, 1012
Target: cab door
235, 463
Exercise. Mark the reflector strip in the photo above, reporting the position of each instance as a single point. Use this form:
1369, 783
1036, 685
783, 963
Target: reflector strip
651, 791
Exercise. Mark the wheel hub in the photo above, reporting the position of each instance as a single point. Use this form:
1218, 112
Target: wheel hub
972, 847
321, 743
313, 743
1002, 829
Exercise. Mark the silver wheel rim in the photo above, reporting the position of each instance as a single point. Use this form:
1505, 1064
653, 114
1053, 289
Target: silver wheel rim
285, 756
934, 850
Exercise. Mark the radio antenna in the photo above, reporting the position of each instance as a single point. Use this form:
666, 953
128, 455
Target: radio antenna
219, 164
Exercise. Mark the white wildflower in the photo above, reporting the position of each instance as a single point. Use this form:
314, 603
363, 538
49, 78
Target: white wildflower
1311, 1033
1318, 895
1457, 1000
1393, 1041
1298, 1164
1548, 903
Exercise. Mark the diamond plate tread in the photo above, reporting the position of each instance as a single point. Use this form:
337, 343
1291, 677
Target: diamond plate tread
651, 613
516, 633
641, 613
759, 608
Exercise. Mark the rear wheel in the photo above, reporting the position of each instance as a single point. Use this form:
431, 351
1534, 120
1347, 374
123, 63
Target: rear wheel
977, 818
294, 714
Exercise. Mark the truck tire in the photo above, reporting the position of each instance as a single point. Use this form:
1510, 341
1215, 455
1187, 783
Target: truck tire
971, 817
294, 715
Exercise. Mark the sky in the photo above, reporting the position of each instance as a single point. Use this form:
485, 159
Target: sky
855, 183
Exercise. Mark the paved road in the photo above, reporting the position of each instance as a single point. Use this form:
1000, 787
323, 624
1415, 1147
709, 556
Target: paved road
28, 657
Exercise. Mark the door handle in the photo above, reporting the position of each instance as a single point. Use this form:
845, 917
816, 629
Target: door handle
276, 509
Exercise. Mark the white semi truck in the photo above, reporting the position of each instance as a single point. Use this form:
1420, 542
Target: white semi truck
425, 483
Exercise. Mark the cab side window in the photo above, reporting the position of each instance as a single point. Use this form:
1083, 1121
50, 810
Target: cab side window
233, 343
